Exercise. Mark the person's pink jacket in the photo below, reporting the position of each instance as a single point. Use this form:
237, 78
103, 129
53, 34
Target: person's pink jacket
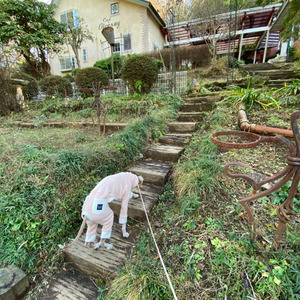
96, 208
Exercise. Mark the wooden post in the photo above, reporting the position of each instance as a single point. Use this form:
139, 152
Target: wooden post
254, 57
266, 47
241, 44
112, 65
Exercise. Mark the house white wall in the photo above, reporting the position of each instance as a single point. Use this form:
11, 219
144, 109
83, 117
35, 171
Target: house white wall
134, 18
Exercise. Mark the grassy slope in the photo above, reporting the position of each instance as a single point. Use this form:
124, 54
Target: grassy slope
45, 176
203, 233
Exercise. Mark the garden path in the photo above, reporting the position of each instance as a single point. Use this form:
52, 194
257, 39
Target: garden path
155, 168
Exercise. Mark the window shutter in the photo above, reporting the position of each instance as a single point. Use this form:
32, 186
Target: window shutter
75, 18
127, 42
63, 18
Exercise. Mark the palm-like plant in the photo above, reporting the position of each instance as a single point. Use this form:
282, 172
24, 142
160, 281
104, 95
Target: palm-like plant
250, 96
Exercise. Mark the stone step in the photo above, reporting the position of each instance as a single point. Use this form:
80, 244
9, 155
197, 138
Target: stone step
203, 98
277, 74
13, 282
164, 152
135, 207
258, 67
279, 83
101, 263
190, 116
154, 172
189, 107
176, 140
70, 284
182, 127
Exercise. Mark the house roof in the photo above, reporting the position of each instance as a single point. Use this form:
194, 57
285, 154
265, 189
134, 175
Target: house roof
146, 4
278, 23
252, 23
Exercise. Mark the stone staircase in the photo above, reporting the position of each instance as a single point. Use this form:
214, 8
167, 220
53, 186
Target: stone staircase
278, 74
155, 169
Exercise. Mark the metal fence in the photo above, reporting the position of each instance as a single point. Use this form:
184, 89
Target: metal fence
163, 84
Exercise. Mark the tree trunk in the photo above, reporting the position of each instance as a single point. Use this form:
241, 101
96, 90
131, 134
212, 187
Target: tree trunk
76, 53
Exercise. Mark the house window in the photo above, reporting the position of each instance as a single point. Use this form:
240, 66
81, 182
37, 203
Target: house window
116, 48
70, 17
67, 63
127, 42
114, 8
84, 54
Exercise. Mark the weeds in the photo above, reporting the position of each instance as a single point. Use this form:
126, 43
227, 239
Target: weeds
42, 188
250, 97
203, 234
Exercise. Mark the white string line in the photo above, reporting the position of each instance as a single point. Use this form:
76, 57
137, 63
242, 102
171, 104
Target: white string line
161, 259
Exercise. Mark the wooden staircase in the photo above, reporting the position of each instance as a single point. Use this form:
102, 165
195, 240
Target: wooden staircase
155, 169
278, 74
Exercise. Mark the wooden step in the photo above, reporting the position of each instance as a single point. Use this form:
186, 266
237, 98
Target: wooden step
190, 116
176, 140
164, 152
70, 284
135, 207
154, 172
101, 263
278, 74
189, 107
182, 127
203, 98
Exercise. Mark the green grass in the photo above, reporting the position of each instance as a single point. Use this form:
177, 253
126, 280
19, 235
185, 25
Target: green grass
45, 176
202, 232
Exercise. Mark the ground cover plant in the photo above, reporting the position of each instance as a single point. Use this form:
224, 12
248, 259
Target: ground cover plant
202, 231
45, 176
121, 109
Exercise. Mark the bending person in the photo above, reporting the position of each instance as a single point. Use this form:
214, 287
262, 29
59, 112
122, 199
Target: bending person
97, 211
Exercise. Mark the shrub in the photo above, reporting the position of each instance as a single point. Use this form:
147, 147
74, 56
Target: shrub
140, 72
56, 85
105, 65
85, 78
31, 90
69, 77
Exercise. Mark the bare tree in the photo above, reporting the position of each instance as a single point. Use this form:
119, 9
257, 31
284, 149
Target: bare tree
170, 8
211, 25
77, 34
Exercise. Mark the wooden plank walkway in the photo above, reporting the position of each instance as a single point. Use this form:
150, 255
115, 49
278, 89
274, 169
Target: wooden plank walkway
155, 169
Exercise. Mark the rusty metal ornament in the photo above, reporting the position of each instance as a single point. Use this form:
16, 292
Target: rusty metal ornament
290, 172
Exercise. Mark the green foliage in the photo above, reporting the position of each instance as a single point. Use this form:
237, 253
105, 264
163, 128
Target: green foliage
250, 97
42, 190
31, 90
30, 24
141, 280
57, 105
87, 77
69, 77
292, 89
291, 21
140, 72
77, 35
280, 196
105, 65
55, 85
289, 94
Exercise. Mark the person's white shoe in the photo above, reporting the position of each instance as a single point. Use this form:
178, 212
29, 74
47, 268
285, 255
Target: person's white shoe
125, 234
